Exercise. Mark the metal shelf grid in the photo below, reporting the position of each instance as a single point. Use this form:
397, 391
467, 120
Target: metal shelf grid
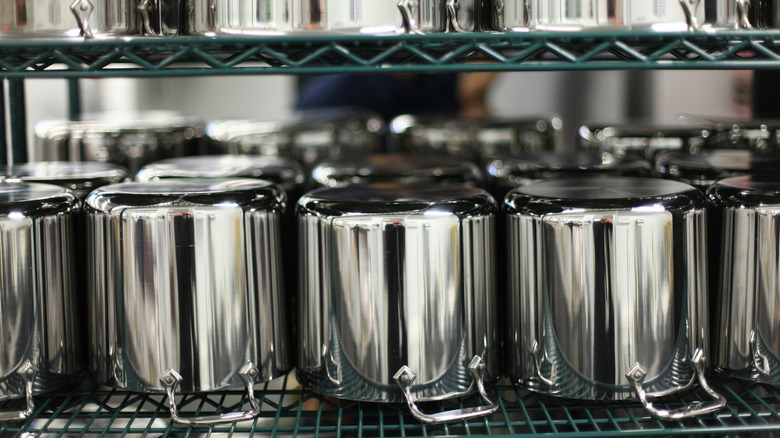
189, 56
93, 411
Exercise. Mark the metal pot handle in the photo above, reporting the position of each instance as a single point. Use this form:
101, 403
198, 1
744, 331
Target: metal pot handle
405, 377
409, 10
27, 372
763, 367
82, 9
145, 8
689, 8
636, 375
452, 13
743, 19
539, 360
170, 381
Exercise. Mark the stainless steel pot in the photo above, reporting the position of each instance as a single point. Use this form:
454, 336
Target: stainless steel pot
127, 139
274, 17
68, 18
162, 17
607, 294
761, 136
661, 15
703, 169
747, 209
398, 300
507, 173
187, 288
396, 168
645, 141
81, 178
41, 348
477, 140
764, 14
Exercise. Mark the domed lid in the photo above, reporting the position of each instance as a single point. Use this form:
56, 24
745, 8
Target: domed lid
81, 177
396, 168
610, 192
542, 166
232, 192
282, 171
747, 191
19, 200
705, 168
392, 198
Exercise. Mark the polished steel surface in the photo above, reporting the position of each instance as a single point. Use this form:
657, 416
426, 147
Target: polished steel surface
396, 275
186, 275
470, 15
703, 169
748, 331
511, 15
398, 168
131, 140
39, 319
645, 140
660, 15
479, 140
68, 18
603, 274
162, 17
80, 178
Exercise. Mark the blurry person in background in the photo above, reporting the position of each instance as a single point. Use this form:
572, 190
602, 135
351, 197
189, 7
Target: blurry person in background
391, 95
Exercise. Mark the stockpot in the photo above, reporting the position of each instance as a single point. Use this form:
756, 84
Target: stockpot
398, 168
186, 288
127, 139
761, 136
279, 17
644, 141
476, 140
703, 169
608, 290
81, 178
68, 18
39, 318
747, 209
663, 15
398, 299
504, 174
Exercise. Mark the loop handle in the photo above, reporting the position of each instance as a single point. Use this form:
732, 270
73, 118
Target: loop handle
405, 378
452, 13
743, 18
27, 372
760, 361
83, 9
636, 375
409, 9
170, 381
145, 8
689, 9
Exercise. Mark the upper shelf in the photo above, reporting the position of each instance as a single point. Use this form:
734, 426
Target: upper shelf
189, 56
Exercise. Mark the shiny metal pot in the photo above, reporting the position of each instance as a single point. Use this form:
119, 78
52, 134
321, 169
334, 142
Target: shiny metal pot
660, 15
187, 287
607, 290
760, 136
477, 140
645, 141
703, 169
396, 168
39, 319
764, 14
162, 17
278, 17
81, 178
398, 299
747, 209
127, 139
68, 18
504, 174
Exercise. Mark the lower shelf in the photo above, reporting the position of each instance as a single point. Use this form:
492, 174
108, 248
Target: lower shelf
289, 410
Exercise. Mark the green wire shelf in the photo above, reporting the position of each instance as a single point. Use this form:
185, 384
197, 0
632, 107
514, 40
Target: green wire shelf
190, 56
93, 411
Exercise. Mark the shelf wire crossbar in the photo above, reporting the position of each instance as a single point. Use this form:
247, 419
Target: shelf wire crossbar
288, 410
188, 56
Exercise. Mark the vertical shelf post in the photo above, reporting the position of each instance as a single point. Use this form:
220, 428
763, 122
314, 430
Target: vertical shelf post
18, 117
74, 99
3, 127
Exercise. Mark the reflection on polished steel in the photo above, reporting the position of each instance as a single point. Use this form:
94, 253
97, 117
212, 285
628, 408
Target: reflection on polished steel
126, 139
731, 14
662, 15
477, 140
186, 275
80, 178
605, 274
748, 297
68, 18
760, 136
703, 169
511, 15
162, 17
39, 318
396, 275
470, 15
309, 137
645, 140
398, 168
286, 17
